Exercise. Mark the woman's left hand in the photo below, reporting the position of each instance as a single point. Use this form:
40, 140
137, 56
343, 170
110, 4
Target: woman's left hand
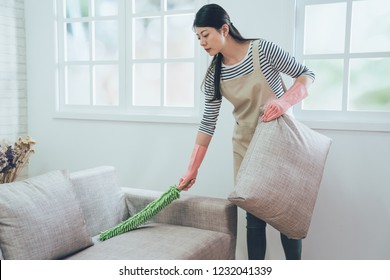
279, 106
275, 109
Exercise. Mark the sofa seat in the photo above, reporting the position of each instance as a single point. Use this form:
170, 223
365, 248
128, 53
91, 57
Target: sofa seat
158, 241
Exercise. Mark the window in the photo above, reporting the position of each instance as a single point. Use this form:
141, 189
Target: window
122, 59
347, 44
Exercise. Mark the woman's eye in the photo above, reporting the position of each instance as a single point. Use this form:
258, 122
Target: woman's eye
204, 36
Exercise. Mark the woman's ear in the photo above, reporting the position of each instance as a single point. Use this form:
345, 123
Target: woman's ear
225, 30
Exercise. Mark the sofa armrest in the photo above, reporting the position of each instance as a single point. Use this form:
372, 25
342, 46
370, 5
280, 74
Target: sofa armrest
201, 212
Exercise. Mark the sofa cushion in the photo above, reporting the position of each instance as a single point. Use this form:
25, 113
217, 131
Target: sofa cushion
280, 175
40, 218
162, 242
101, 198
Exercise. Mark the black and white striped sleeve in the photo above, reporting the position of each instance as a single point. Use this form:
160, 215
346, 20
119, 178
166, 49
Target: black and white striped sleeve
284, 62
211, 107
274, 60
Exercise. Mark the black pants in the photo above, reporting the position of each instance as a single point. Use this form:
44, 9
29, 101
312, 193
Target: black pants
257, 241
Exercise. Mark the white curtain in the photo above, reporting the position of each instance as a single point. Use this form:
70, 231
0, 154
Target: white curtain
13, 76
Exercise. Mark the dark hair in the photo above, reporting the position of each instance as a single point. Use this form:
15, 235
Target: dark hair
213, 15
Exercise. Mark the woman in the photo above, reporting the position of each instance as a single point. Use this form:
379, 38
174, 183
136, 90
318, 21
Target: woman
247, 73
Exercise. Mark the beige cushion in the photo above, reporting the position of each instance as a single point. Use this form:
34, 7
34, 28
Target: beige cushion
280, 175
101, 197
161, 242
40, 218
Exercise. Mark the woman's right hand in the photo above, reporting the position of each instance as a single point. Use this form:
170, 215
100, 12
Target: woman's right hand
186, 183
189, 177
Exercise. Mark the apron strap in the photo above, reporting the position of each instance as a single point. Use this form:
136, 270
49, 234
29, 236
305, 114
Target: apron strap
255, 54
256, 60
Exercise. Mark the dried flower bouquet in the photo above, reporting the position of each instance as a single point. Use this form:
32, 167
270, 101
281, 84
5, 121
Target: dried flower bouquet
14, 158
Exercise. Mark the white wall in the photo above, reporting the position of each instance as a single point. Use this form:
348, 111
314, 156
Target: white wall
352, 215
13, 80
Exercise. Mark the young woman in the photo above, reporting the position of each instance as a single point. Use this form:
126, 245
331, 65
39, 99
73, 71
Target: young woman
247, 73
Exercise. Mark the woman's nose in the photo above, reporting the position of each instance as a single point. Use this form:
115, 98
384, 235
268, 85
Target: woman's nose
202, 42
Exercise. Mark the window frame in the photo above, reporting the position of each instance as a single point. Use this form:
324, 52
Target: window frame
330, 119
125, 111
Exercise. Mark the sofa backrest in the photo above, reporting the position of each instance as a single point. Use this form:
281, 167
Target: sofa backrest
101, 198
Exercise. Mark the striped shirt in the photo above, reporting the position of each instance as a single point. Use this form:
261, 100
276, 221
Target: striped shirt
273, 61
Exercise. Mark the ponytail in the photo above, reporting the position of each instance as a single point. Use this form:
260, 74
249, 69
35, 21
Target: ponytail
217, 77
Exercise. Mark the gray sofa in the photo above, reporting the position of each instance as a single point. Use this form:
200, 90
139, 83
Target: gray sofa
59, 215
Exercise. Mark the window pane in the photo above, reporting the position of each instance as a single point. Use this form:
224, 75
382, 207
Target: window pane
180, 4
180, 38
106, 85
147, 84
145, 6
180, 84
325, 28
77, 85
369, 85
147, 37
77, 8
370, 26
326, 92
106, 40
77, 41
106, 7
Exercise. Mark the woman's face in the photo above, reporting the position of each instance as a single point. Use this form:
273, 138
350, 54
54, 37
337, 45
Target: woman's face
211, 39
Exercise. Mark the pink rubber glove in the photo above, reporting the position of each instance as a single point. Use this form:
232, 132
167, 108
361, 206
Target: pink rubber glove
279, 106
189, 178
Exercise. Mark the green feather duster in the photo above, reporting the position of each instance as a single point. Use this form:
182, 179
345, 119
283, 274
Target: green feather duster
145, 214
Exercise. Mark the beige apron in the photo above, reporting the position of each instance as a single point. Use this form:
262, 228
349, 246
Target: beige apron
248, 94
